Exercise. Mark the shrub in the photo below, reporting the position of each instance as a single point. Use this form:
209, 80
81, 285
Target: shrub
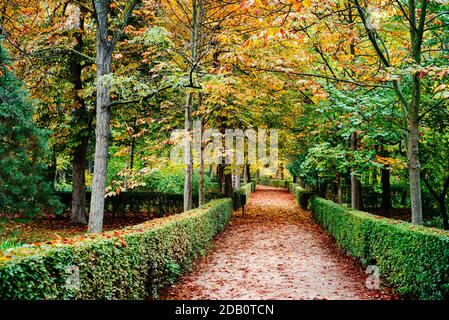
273, 183
291, 186
135, 203
170, 179
23, 148
131, 263
245, 190
302, 195
414, 260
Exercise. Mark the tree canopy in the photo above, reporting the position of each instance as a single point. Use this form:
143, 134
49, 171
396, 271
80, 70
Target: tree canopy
357, 89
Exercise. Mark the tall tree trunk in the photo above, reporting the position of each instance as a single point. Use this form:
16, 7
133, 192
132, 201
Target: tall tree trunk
106, 43
52, 168
203, 145
202, 169
79, 163
188, 157
443, 212
131, 161
417, 25
220, 177
404, 197
355, 184
416, 37
374, 177
221, 166
228, 184
201, 180
188, 153
248, 172
440, 198
281, 171
237, 179
414, 166
133, 151
339, 189
245, 175
103, 117
82, 120
386, 189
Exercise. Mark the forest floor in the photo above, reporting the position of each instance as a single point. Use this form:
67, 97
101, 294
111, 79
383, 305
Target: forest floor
275, 251
18, 231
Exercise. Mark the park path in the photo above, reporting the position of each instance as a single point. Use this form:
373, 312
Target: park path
276, 251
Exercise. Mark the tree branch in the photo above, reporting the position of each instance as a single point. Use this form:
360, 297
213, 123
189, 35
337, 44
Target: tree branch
150, 95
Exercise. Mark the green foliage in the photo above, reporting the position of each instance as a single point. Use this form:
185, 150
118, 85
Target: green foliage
23, 188
434, 154
130, 265
273, 182
414, 260
302, 195
11, 240
158, 204
325, 159
435, 222
291, 186
245, 190
170, 179
294, 167
8, 243
327, 152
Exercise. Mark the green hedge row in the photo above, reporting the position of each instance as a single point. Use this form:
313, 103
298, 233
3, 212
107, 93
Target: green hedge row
133, 263
273, 182
138, 203
291, 186
413, 260
253, 185
302, 195
245, 190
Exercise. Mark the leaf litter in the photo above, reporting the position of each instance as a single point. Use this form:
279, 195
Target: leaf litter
275, 251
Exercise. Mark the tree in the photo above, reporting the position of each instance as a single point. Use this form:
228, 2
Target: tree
416, 21
106, 42
434, 158
53, 59
336, 33
23, 189
194, 25
83, 119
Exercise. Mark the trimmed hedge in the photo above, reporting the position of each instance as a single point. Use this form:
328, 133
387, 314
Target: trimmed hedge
302, 195
413, 260
291, 186
131, 264
135, 203
253, 185
245, 190
273, 183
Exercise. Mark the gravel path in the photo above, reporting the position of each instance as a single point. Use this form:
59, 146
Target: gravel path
276, 251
